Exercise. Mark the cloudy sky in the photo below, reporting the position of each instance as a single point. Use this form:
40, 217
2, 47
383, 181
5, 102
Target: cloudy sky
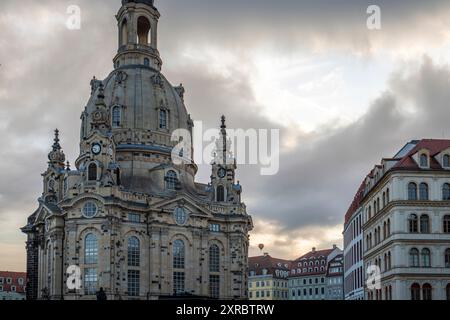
342, 95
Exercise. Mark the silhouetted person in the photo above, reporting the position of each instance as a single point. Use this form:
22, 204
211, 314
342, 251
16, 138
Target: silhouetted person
101, 295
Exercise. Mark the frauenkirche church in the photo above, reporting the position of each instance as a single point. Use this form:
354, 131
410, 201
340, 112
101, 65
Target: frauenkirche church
127, 217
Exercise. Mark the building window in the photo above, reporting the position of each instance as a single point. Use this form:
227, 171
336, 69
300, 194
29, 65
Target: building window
214, 286
423, 160
134, 278
116, 117
90, 281
178, 282
134, 252
414, 257
134, 217
415, 291
423, 191
214, 227
178, 254
171, 180
446, 223
163, 119
413, 223
90, 249
90, 210
220, 194
446, 161
448, 291
412, 191
426, 258
214, 258
446, 191
92, 172
424, 224
427, 292
447, 258
146, 62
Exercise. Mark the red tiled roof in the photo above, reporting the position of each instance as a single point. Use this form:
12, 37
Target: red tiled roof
320, 254
14, 276
257, 264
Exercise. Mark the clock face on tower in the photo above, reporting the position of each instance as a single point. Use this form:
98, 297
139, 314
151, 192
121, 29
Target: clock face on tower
96, 148
222, 173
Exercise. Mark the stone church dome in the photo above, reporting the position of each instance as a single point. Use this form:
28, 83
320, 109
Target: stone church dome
143, 108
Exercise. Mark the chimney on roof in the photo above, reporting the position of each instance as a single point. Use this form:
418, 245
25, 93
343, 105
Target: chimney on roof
334, 246
314, 250
266, 254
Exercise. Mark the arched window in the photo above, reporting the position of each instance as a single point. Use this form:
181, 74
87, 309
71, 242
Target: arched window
423, 191
427, 292
415, 291
389, 227
414, 257
178, 254
162, 119
171, 180
90, 249
384, 230
384, 199
446, 224
124, 32
220, 194
446, 191
423, 160
387, 196
143, 31
424, 224
214, 258
116, 117
426, 258
447, 258
413, 223
412, 191
146, 62
134, 252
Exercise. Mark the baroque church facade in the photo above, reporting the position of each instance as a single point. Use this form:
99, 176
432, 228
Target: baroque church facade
127, 218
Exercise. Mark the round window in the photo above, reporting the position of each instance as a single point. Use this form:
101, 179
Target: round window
180, 216
90, 210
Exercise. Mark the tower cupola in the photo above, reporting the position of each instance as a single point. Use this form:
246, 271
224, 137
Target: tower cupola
138, 36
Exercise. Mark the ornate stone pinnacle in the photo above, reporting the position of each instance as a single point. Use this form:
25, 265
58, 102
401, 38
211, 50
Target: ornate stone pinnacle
56, 146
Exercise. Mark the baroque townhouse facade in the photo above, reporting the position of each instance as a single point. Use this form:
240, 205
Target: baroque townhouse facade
353, 249
128, 218
268, 278
406, 227
12, 285
308, 276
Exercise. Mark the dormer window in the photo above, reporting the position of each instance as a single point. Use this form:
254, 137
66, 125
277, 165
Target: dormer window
424, 160
446, 161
